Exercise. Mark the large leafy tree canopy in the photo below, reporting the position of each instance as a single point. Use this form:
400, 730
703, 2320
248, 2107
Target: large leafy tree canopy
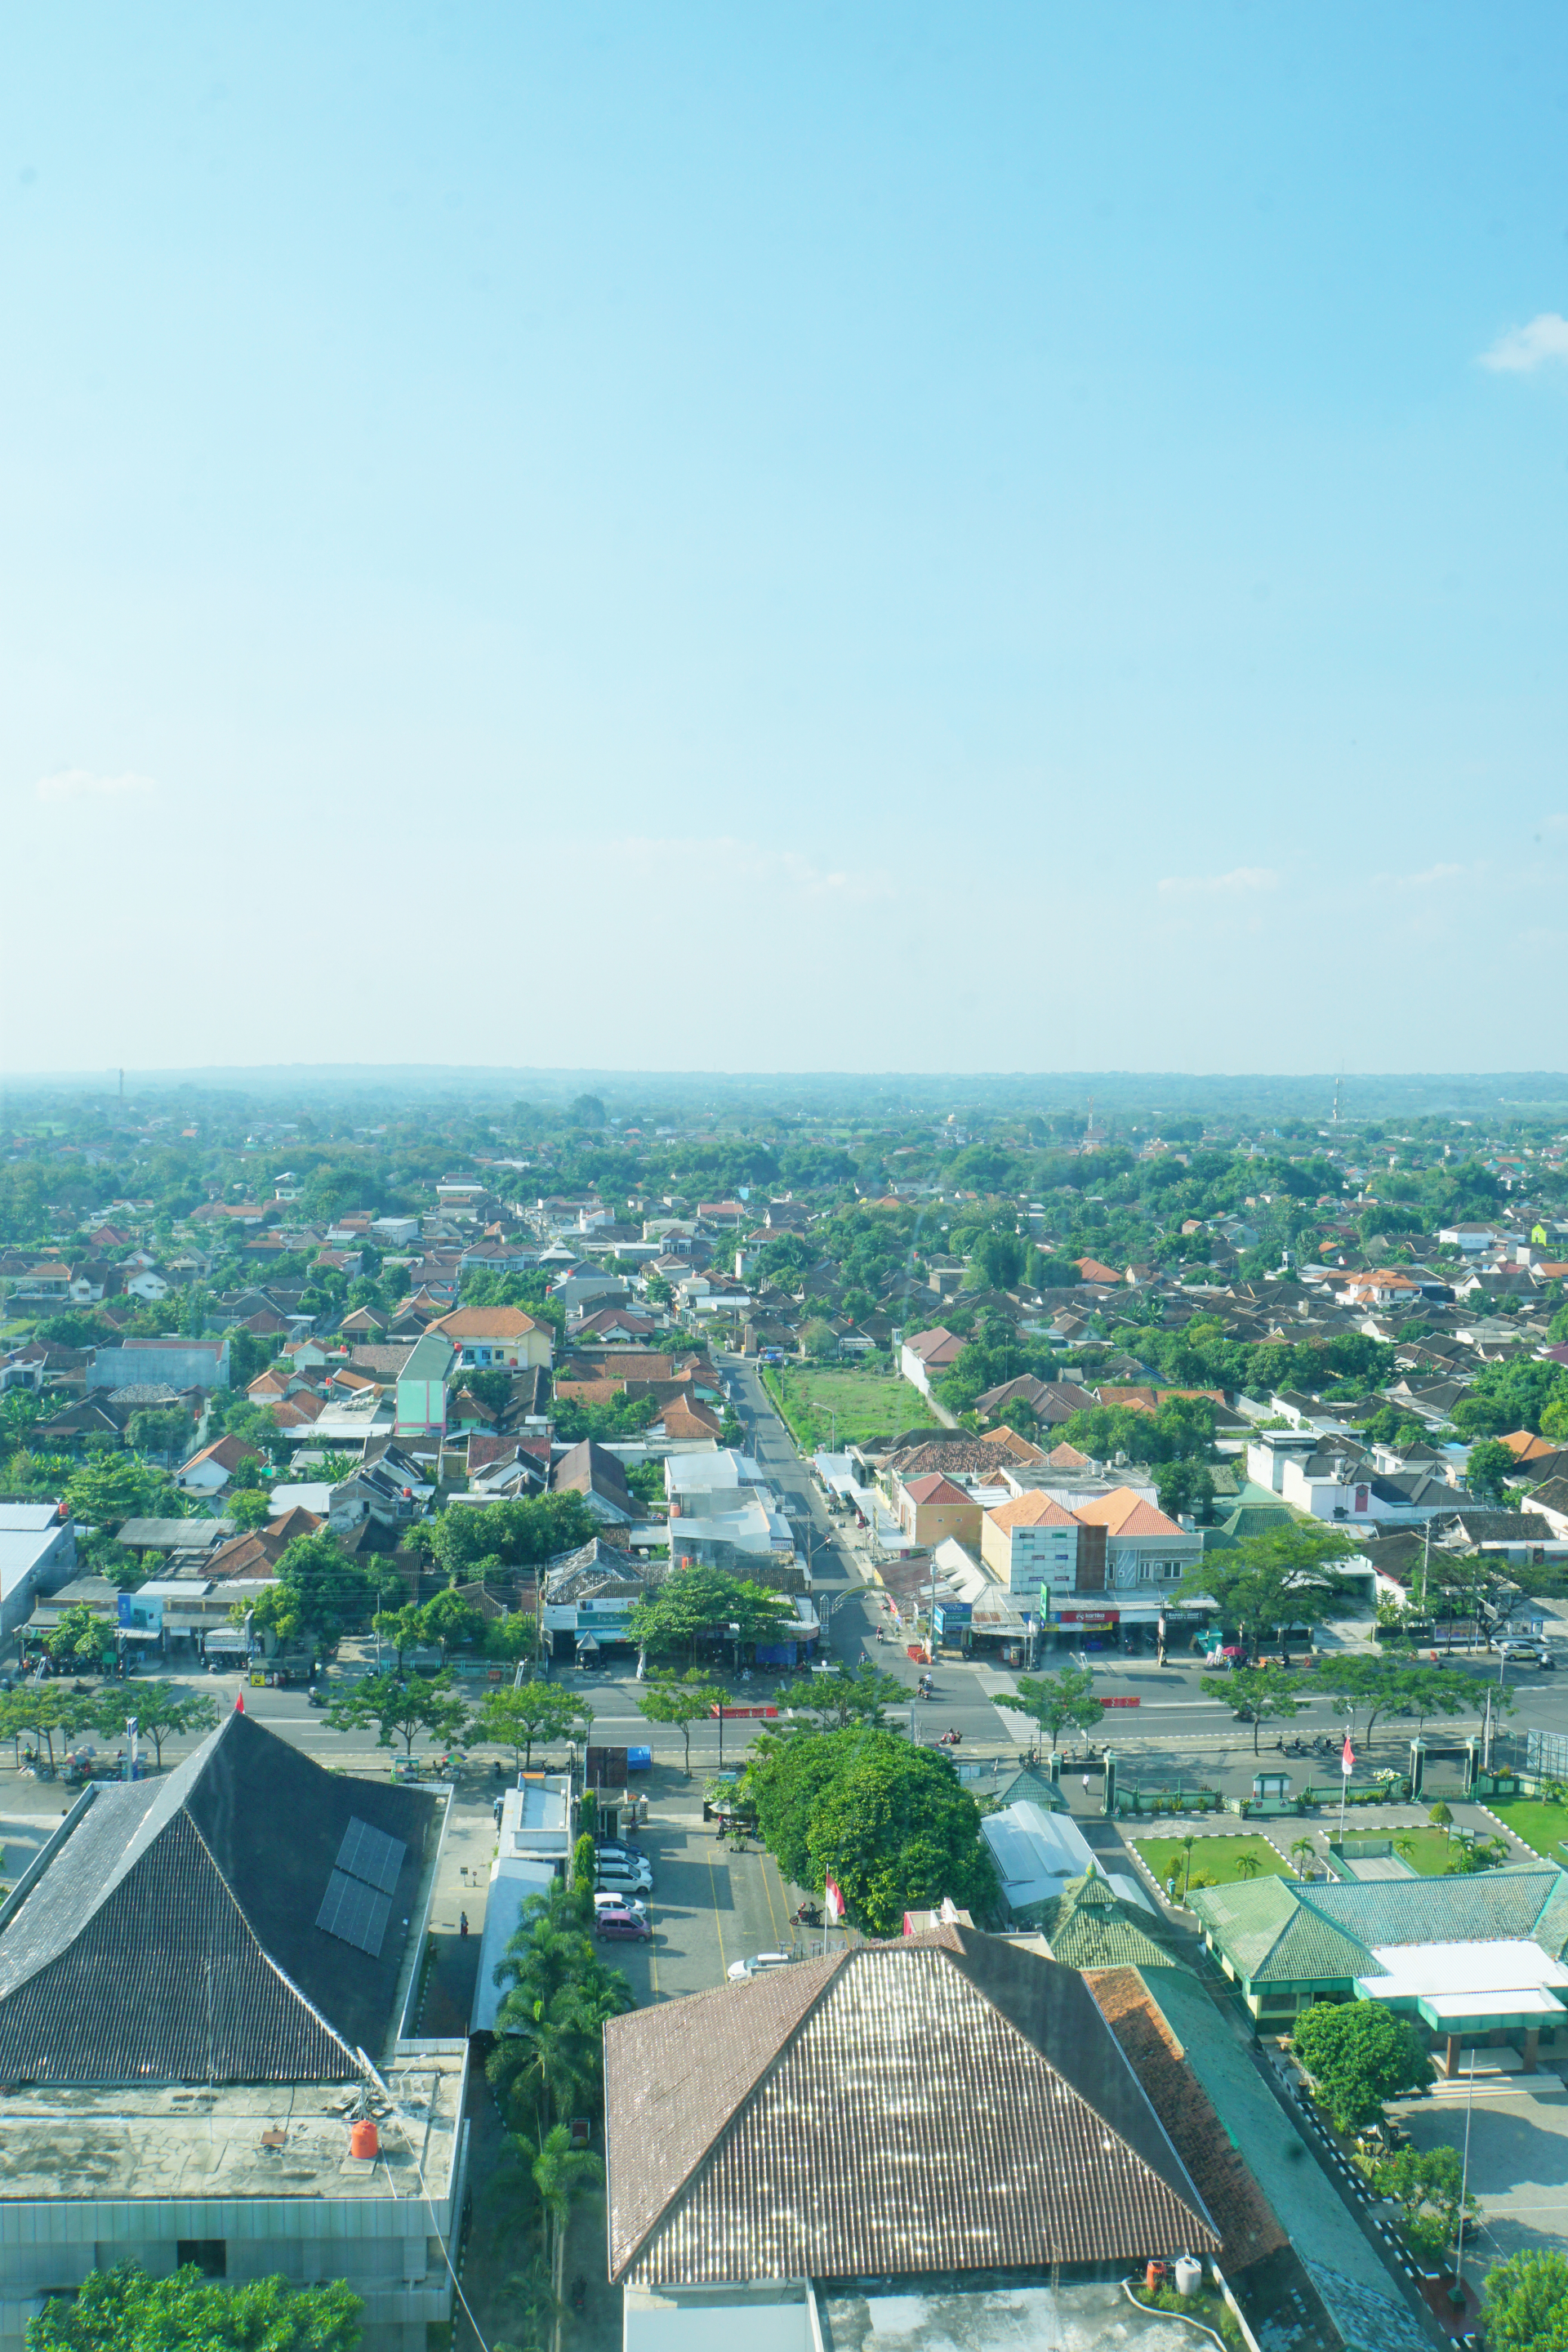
125, 2311
1526, 2305
891, 1824
1358, 2054
1288, 1577
696, 1600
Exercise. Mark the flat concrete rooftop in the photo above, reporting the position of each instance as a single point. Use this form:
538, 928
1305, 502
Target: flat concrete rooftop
102, 2143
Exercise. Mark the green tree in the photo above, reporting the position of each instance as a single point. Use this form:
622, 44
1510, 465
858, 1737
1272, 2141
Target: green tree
693, 1602
1526, 2305
401, 1710
248, 1506
540, 1527
1062, 1702
561, 2174
847, 1695
43, 1709
123, 2310
81, 1638
450, 1621
321, 1592
1358, 2054
116, 1488
889, 1822
681, 1700
161, 1710
548, 2062
1301, 1852
404, 1628
512, 1635
534, 1711
1267, 1583
1262, 1694
1488, 1468
819, 1339
158, 1433
1185, 1484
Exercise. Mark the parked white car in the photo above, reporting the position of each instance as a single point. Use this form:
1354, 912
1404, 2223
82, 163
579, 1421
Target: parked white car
760, 1966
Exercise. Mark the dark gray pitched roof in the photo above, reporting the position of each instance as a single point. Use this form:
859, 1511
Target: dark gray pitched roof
172, 1937
946, 2103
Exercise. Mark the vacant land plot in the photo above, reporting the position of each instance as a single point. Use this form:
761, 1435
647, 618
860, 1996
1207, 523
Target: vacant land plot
1221, 1861
1544, 1827
844, 1404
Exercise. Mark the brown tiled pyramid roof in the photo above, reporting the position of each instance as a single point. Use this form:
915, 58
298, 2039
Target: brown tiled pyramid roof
948, 2102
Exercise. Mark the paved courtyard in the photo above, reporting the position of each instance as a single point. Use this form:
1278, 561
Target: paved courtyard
1519, 2162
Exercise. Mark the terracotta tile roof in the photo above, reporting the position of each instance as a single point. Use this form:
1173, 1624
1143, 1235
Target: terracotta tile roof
1123, 1513
229, 1453
995, 2122
490, 1323
1092, 1270
1016, 1447
935, 1487
689, 1419
1034, 1510
1249, 2223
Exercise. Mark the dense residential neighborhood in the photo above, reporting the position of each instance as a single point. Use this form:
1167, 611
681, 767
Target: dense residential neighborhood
598, 1498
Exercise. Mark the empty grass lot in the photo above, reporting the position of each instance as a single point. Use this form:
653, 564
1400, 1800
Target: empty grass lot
866, 1404
1216, 1858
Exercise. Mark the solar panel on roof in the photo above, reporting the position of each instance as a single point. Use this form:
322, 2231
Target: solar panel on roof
355, 1912
370, 1855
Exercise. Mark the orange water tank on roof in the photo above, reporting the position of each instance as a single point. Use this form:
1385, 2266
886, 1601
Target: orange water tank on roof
363, 2139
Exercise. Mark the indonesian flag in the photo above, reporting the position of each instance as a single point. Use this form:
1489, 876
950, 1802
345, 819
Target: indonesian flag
1347, 1758
835, 1902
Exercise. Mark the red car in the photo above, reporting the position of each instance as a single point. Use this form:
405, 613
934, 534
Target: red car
623, 1925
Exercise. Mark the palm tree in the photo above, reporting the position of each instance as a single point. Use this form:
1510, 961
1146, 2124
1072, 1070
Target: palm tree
1405, 1846
562, 2172
1247, 1865
1301, 1854
1187, 1844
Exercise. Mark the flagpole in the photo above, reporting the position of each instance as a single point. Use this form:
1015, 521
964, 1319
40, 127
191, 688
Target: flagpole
1347, 1762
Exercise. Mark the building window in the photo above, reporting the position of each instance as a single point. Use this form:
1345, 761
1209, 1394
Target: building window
209, 2255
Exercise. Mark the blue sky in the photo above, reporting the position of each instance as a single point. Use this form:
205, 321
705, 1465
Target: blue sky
1012, 537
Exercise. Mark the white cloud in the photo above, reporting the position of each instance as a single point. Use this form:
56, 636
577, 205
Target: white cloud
1239, 880
727, 868
1524, 348
81, 784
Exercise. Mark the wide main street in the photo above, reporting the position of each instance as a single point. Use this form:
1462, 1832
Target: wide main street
1173, 1729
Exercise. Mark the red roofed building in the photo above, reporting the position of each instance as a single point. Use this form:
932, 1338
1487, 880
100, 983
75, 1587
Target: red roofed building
932, 1508
1091, 1269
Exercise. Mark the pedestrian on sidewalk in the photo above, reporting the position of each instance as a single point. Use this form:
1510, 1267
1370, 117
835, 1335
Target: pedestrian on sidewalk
462, 1923
1086, 1784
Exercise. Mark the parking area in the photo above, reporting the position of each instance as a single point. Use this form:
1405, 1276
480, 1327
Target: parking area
1519, 2162
711, 1905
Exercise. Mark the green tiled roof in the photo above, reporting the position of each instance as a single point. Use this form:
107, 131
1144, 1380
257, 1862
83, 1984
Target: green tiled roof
1088, 1926
1268, 1930
1028, 1783
1305, 2201
1276, 1929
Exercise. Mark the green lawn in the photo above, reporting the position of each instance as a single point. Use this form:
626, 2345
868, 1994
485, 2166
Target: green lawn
1544, 1827
1215, 1857
848, 1405
1432, 1853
